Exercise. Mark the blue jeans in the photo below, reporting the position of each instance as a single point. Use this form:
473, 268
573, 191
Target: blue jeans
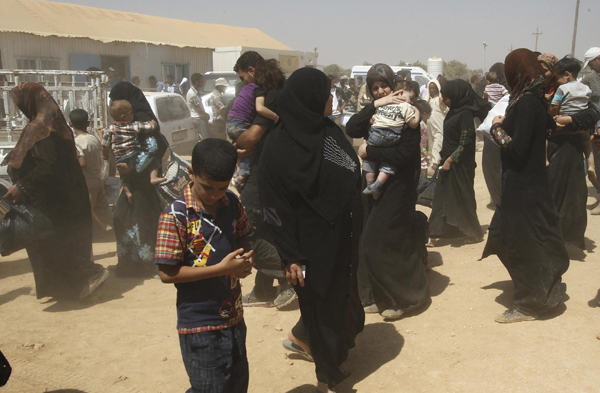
216, 361
381, 137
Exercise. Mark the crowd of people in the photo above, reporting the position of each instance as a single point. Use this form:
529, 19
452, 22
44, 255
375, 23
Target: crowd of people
344, 241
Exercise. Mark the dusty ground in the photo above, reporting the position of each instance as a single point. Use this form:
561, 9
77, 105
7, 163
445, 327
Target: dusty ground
126, 340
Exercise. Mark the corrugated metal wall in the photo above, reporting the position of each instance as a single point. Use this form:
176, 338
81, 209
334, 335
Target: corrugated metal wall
144, 60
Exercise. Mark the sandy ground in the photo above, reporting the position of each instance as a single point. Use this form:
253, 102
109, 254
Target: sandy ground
125, 340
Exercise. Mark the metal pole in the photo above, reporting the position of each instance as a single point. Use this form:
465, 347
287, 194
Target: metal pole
484, 46
575, 29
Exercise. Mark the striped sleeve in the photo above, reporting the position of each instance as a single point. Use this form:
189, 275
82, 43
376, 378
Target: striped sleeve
170, 241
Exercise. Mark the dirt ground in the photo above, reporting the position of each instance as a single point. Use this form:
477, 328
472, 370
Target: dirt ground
125, 340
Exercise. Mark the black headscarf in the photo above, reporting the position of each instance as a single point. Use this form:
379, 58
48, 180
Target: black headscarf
142, 111
309, 151
380, 72
141, 108
463, 98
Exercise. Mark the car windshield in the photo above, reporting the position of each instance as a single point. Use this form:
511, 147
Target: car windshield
171, 109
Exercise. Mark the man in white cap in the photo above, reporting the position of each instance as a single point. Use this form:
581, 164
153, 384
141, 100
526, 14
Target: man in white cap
592, 80
592, 59
218, 107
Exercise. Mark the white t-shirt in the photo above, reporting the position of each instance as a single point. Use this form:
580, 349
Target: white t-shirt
193, 100
88, 146
394, 117
335, 104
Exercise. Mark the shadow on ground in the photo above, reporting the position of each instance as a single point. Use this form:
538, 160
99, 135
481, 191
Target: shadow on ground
65, 391
114, 288
377, 345
506, 297
15, 293
15, 268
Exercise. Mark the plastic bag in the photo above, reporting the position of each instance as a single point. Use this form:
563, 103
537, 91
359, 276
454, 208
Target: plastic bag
177, 179
21, 225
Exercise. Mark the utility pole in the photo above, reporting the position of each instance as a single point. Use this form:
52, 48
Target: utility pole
537, 35
575, 29
484, 46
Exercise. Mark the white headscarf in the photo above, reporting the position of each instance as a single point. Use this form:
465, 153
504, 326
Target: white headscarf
437, 83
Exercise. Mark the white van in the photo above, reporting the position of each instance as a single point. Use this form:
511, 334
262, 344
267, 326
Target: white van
417, 74
174, 118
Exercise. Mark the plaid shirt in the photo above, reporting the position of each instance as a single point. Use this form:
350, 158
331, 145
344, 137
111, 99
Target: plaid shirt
124, 137
190, 236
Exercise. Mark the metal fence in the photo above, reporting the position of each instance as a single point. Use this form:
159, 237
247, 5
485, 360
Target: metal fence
66, 89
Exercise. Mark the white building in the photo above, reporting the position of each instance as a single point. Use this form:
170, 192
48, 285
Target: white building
37, 34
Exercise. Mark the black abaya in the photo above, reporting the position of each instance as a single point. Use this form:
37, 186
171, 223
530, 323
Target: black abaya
525, 231
62, 264
454, 211
568, 185
393, 241
136, 223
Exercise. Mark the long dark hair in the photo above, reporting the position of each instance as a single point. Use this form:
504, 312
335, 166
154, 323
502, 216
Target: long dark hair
268, 75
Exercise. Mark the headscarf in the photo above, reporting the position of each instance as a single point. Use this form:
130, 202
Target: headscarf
549, 59
310, 152
45, 117
524, 75
380, 72
463, 98
141, 108
437, 83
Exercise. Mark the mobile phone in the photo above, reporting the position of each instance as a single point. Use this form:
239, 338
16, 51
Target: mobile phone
596, 136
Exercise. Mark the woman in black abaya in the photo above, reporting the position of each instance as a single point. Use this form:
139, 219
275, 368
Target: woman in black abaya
454, 212
393, 253
525, 231
309, 180
46, 174
136, 223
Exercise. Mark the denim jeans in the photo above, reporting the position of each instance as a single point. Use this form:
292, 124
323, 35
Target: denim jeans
216, 360
380, 137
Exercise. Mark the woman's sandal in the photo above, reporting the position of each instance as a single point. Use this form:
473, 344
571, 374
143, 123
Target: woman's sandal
290, 346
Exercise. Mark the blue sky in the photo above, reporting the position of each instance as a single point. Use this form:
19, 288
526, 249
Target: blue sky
350, 32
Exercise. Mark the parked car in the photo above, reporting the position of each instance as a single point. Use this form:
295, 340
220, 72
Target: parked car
174, 118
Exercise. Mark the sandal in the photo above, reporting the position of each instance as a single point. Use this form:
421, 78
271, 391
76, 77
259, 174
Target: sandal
290, 346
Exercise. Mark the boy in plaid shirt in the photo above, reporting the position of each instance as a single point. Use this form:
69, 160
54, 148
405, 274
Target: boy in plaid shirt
202, 247
122, 136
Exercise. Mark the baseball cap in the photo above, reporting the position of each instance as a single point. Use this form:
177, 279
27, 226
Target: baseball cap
221, 82
590, 55
343, 77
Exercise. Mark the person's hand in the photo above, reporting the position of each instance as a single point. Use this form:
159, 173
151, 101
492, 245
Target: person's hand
14, 195
498, 119
243, 153
237, 263
448, 164
362, 150
394, 98
563, 120
293, 273
124, 168
154, 123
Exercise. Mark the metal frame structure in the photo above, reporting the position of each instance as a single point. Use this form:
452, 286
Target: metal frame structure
66, 90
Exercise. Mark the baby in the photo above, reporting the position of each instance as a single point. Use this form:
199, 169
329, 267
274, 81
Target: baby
388, 123
122, 137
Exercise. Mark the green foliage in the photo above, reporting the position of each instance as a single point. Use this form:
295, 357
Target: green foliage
336, 70
455, 69
419, 64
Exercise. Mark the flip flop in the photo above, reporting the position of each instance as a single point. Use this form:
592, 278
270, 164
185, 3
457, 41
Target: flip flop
290, 346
